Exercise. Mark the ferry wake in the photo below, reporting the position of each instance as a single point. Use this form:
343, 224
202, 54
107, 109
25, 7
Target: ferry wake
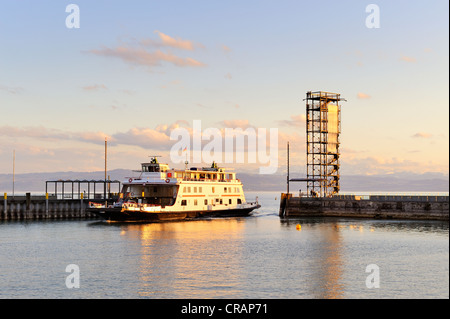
163, 194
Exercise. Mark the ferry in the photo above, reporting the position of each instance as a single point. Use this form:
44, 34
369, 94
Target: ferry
164, 194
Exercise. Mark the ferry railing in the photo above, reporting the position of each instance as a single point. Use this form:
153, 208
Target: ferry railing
194, 179
209, 180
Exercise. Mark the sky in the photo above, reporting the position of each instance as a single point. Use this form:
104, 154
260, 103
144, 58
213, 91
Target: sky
134, 71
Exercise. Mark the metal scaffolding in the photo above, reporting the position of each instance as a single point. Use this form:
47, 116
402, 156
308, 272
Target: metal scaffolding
323, 126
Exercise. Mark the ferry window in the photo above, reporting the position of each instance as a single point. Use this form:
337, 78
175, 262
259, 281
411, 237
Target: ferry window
239, 201
199, 189
195, 189
221, 202
184, 189
229, 201
213, 189
225, 189
195, 202
188, 189
217, 200
155, 189
206, 202
183, 202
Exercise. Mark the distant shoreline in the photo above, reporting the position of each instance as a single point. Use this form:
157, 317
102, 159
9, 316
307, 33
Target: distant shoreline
350, 184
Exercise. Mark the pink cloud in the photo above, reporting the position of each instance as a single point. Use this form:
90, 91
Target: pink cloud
139, 56
296, 120
175, 43
168, 41
33, 132
145, 138
422, 135
363, 96
235, 123
39, 132
226, 49
11, 90
95, 87
384, 165
408, 59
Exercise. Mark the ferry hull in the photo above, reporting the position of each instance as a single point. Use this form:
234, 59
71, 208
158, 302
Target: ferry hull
117, 214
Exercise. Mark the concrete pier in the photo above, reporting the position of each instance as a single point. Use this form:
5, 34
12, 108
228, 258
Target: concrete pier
377, 207
42, 208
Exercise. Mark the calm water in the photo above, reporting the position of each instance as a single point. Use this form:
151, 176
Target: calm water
254, 257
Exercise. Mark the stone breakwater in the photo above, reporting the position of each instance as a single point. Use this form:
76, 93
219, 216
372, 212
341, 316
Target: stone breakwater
377, 207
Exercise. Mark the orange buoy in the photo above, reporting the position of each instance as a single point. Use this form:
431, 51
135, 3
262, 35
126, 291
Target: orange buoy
298, 227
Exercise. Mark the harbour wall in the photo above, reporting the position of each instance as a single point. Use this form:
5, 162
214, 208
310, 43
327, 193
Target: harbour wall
376, 207
42, 208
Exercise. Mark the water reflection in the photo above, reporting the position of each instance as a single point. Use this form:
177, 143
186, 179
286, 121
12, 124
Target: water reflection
326, 249
361, 225
329, 274
189, 259
264, 256
334, 242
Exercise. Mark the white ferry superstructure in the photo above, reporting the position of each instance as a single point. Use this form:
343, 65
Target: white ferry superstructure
163, 194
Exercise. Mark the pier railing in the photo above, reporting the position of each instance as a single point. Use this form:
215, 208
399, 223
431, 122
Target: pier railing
422, 198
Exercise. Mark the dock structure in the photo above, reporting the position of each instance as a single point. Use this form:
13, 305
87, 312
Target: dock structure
46, 208
376, 207
76, 193
69, 203
323, 126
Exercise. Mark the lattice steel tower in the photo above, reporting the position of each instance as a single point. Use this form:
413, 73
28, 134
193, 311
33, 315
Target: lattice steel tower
323, 125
